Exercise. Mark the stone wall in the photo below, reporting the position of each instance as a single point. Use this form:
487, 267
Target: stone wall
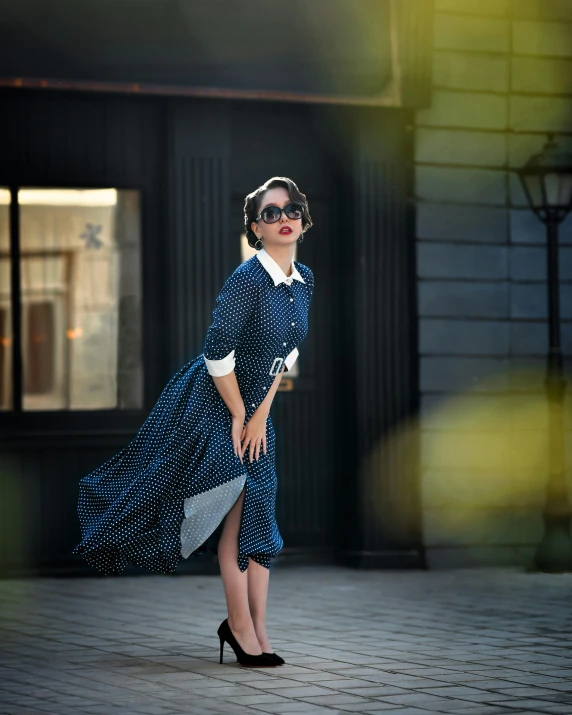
502, 78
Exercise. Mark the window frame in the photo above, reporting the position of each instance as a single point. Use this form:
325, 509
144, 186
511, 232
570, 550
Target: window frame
105, 425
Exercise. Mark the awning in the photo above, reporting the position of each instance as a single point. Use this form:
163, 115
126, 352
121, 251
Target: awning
340, 51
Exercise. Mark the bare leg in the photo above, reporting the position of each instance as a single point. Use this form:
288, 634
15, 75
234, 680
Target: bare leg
258, 577
236, 582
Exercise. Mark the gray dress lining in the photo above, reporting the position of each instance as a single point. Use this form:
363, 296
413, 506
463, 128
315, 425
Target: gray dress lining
204, 512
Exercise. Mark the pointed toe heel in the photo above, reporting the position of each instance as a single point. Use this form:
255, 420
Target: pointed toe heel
264, 660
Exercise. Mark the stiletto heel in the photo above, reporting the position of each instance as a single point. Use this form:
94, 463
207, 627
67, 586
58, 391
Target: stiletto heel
258, 661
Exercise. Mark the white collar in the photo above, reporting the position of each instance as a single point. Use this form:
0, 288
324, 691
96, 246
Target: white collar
275, 271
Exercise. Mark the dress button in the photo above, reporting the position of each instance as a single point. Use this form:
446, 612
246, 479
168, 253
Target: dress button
291, 300
292, 323
283, 343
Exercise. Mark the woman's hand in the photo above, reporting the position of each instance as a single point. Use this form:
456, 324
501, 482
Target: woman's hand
254, 434
236, 433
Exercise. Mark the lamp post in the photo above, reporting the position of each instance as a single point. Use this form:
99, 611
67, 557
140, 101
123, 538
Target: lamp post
547, 182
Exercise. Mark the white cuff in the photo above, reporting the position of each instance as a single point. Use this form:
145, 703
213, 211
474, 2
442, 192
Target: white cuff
220, 367
290, 359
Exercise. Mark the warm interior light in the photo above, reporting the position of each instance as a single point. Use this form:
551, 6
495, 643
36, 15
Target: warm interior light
62, 197
67, 197
73, 333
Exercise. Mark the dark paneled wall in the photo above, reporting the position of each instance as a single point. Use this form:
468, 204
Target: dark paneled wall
199, 254
340, 485
76, 141
385, 498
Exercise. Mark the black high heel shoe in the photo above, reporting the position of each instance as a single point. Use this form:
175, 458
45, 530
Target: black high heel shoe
275, 657
258, 661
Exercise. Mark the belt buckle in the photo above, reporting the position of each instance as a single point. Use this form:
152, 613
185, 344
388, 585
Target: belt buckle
275, 370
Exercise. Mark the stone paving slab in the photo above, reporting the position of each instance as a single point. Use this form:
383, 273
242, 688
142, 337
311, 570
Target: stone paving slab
486, 641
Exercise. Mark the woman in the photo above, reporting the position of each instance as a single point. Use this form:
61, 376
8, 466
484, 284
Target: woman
200, 474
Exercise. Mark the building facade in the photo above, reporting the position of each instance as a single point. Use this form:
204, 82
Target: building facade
122, 181
502, 79
411, 432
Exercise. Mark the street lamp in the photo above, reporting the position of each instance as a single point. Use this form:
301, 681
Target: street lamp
547, 182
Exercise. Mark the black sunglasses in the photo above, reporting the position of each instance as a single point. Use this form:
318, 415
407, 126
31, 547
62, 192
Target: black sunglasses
271, 214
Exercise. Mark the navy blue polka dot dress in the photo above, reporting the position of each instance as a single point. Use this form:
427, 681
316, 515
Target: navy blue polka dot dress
164, 496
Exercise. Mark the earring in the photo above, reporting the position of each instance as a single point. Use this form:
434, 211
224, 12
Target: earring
257, 242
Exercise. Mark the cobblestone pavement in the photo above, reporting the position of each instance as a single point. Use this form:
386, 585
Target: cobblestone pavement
467, 641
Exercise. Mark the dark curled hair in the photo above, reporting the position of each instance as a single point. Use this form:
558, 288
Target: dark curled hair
253, 200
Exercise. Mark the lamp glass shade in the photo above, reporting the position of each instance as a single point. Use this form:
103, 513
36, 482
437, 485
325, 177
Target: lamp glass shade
547, 182
552, 189
534, 188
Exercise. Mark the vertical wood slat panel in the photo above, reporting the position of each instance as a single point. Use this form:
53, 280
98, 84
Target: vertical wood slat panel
305, 467
200, 255
385, 388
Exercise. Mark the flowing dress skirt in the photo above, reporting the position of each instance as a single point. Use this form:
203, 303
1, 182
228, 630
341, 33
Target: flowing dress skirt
161, 498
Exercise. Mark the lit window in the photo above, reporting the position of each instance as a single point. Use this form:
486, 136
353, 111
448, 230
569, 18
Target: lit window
80, 299
5, 304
